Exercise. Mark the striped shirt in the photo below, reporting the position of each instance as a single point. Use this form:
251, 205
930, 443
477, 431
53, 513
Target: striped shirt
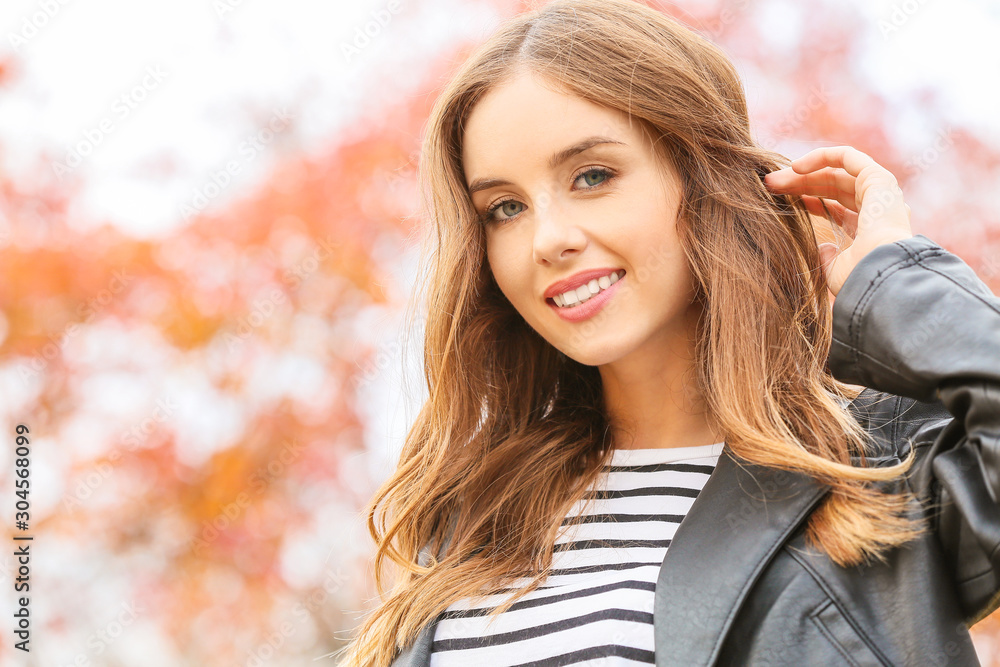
596, 607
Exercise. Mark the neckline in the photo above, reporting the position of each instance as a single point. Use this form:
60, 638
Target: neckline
642, 456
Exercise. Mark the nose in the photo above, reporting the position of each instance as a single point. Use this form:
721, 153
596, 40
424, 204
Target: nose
556, 236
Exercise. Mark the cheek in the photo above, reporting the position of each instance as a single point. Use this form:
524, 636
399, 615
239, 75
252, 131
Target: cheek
505, 271
511, 287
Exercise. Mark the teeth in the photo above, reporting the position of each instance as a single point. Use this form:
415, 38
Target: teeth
584, 292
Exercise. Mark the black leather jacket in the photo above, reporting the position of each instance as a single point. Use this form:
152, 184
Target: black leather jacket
739, 586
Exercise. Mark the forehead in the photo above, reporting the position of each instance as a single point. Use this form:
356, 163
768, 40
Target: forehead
526, 119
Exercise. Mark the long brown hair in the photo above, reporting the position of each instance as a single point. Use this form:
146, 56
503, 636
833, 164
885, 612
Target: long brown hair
514, 432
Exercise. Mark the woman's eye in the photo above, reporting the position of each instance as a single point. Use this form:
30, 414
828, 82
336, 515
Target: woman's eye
593, 177
504, 205
597, 173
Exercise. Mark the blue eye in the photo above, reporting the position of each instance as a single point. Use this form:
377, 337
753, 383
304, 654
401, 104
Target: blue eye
488, 216
596, 170
604, 175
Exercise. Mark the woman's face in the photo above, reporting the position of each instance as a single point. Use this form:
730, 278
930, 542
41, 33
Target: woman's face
574, 208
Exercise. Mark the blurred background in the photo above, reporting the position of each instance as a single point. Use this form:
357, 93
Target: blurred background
207, 238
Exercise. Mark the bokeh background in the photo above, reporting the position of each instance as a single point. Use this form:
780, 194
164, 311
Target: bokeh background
207, 238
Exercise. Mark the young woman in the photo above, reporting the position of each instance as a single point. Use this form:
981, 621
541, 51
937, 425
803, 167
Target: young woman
639, 445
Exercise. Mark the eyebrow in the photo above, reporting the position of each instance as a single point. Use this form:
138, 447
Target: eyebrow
554, 161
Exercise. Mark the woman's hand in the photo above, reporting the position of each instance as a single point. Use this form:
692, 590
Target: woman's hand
862, 196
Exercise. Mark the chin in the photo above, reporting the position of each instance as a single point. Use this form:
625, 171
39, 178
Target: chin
590, 352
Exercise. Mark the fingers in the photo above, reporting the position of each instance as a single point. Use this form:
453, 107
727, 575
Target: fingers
836, 172
846, 157
859, 195
867, 172
841, 215
828, 182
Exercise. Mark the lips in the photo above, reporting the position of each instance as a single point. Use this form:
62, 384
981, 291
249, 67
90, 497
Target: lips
585, 310
578, 279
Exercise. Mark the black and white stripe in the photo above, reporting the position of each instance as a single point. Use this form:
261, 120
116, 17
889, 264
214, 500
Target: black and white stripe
597, 606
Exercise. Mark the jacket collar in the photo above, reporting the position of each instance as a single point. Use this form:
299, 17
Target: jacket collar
739, 520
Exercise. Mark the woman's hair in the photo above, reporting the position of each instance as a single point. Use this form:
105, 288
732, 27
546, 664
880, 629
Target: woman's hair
514, 431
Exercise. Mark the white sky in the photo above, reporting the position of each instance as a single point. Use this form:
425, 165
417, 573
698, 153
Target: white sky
224, 75
950, 45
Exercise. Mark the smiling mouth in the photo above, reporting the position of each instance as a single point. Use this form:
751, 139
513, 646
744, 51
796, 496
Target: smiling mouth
586, 292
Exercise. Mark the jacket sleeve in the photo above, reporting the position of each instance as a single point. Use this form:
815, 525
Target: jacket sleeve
913, 319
